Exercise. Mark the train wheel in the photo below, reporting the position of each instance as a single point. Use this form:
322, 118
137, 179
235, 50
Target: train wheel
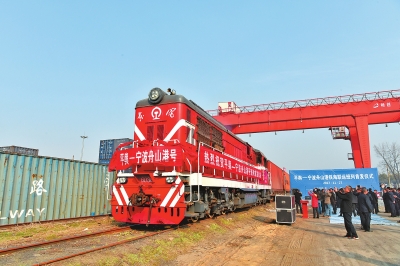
210, 215
194, 219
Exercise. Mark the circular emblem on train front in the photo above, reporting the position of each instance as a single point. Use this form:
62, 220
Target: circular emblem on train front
156, 113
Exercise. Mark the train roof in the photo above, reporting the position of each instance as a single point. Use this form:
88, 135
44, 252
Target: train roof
181, 99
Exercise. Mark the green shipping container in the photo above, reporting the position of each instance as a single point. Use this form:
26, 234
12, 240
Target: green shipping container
34, 189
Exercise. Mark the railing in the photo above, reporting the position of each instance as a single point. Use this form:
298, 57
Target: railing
354, 98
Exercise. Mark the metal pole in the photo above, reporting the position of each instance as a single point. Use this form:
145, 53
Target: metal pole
83, 145
283, 178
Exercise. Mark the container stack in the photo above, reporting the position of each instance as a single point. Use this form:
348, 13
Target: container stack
107, 149
19, 150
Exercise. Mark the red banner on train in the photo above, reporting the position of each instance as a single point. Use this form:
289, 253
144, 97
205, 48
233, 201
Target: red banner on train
157, 155
217, 160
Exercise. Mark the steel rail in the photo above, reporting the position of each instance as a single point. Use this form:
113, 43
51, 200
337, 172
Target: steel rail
103, 247
6, 226
14, 249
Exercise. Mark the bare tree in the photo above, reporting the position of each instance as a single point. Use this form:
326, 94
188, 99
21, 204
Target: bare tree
390, 155
383, 178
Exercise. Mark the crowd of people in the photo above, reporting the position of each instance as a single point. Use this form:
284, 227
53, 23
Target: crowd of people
358, 201
391, 200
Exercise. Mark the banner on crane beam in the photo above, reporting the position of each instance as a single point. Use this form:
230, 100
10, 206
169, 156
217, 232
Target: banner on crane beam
306, 180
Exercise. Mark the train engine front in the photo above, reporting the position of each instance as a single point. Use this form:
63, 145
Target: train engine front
149, 188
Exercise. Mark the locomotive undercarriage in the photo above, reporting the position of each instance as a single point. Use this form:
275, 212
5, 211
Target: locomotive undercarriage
181, 200
213, 201
144, 208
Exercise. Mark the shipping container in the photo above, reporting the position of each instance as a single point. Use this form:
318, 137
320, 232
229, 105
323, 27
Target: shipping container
20, 150
34, 189
107, 148
228, 107
279, 177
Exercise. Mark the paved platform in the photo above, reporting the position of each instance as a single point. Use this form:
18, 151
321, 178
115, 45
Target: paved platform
306, 242
380, 219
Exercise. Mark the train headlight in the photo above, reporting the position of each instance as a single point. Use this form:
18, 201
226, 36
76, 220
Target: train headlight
122, 180
156, 95
170, 179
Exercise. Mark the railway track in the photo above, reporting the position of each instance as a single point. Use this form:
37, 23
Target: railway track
38, 246
10, 226
45, 243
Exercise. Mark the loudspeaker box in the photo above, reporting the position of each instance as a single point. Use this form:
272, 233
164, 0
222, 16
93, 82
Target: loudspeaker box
285, 216
284, 202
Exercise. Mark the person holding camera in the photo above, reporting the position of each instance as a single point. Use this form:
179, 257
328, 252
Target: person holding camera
347, 199
328, 203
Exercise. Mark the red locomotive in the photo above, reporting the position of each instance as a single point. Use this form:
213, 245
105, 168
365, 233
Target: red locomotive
183, 163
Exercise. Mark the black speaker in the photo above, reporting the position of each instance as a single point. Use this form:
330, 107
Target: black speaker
284, 202
285, 216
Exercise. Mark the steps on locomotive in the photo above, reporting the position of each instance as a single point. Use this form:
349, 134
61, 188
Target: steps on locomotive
192, 215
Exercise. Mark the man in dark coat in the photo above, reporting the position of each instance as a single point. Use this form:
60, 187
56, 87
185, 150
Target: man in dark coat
374, 200
385, 198
355, 202
333, 201
391, 202
397, 199
365, 208
319, 201
297, 199
339, 201
322, 197
347, 209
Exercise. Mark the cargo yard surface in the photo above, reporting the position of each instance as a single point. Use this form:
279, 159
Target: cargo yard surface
243, 238
306, 242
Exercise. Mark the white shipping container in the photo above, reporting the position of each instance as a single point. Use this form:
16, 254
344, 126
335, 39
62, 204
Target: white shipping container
228, 107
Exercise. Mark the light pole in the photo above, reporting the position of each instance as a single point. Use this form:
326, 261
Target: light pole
83, 144
284, 179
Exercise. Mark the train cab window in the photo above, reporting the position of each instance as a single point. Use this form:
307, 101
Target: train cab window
188, 115
258, 159
190, 133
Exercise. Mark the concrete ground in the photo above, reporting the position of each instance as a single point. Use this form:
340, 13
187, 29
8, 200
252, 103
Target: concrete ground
306, 242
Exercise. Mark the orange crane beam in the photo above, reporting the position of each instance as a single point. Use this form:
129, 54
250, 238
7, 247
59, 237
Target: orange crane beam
355, 112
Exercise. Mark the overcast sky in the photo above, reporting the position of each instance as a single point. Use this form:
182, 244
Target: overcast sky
73, 68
